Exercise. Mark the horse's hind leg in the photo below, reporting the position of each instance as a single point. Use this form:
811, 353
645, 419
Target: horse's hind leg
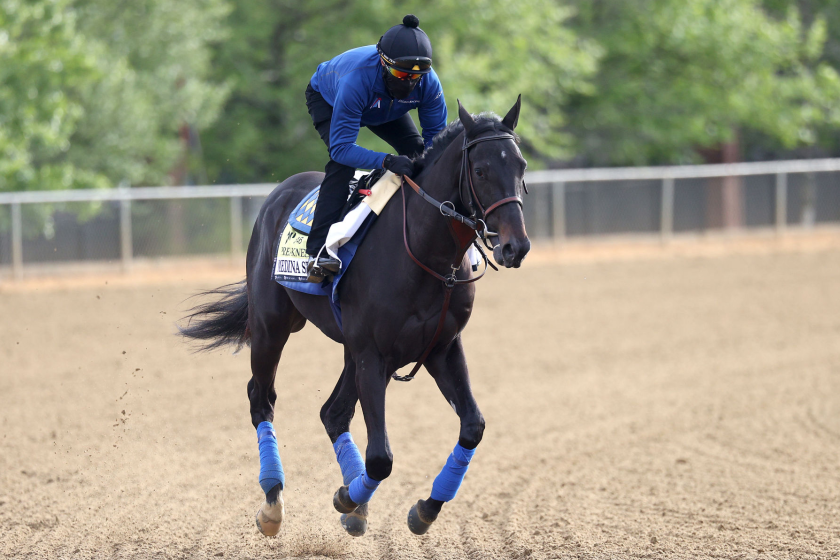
449, 370
336, 415
271, 319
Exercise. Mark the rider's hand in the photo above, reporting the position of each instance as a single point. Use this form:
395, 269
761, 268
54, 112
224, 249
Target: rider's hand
399, 165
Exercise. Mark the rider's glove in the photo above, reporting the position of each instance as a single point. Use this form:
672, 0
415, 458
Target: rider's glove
399, 165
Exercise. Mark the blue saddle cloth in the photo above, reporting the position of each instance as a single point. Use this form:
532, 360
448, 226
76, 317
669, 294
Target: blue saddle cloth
301, 220
303, 214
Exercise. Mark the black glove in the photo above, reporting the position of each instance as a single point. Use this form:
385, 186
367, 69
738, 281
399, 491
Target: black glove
399, 165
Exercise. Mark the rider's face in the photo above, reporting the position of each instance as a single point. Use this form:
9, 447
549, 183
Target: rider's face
398, 88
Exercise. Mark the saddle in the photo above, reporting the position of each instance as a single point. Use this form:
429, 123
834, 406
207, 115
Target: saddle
367, 195
359, 189
303, 215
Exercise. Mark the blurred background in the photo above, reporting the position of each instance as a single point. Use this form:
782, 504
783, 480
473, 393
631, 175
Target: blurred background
106, 98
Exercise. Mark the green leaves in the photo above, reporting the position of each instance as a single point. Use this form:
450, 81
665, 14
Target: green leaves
684, 74
41, 61
93, 92
485, 52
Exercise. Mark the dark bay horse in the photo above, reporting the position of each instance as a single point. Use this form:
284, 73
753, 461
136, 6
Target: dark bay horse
392, 301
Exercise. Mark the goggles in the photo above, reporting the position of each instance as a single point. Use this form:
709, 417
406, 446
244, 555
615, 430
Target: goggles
407, 68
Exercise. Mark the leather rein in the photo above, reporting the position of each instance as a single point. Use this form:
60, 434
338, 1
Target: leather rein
464, 230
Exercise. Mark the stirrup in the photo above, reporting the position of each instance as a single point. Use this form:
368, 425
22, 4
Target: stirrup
315, 273
321, 267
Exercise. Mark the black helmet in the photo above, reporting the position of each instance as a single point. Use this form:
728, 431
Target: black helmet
406, 47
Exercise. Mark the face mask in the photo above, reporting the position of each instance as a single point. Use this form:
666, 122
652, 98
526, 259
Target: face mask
399, 89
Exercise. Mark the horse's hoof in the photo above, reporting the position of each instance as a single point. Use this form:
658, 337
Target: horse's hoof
420, 518
342, 501
355, 523
270, 517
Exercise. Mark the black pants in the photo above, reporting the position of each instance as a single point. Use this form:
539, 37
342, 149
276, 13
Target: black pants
401, 134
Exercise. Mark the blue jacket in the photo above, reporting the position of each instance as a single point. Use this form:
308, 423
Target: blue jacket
352, 83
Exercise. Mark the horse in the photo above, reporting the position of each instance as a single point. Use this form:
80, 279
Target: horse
406, 297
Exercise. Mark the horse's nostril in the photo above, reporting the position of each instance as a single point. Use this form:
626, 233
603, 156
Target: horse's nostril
508, 253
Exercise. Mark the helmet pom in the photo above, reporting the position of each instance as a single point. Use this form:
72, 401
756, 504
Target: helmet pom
411, 21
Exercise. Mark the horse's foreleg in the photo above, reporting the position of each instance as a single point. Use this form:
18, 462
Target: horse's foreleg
271, 323
336, 415
449, 370
371, 382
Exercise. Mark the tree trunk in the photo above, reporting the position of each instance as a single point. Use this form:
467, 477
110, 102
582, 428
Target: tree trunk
724, 195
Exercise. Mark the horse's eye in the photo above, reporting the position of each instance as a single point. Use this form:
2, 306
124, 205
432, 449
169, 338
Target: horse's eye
479, 172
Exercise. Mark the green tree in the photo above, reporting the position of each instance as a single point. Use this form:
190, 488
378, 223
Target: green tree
154, 57
44, 65
94, 92
486, 53
682, 74
819, 12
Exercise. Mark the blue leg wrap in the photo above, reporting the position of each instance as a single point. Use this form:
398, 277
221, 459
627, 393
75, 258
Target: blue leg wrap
362, 488
349, 458
271, 469
449, 480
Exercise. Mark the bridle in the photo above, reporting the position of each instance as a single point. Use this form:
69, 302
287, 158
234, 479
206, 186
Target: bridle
471, 201
464, 230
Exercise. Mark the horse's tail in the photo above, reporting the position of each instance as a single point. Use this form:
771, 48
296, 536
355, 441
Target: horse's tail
221, 321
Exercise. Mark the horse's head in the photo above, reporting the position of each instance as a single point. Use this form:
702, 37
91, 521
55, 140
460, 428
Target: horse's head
495, 171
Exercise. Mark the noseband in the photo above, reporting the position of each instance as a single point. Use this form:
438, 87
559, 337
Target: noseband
462, 236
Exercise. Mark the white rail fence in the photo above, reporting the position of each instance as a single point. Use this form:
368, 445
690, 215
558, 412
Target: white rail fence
158, 221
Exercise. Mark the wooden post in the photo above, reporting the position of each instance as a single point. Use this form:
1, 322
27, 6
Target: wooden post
17, 241
235, 226
666, 215
781, 202
126, 245
558, 210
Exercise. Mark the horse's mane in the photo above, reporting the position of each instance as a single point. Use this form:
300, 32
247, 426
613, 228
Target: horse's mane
483, 122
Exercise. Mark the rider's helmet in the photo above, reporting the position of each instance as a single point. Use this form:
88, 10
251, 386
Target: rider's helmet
406, 54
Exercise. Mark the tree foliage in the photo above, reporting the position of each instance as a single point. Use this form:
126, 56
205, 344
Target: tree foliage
484, 51
683, 74
43, 65
93, 92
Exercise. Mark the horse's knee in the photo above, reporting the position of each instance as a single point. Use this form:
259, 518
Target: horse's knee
378, 467
472, 430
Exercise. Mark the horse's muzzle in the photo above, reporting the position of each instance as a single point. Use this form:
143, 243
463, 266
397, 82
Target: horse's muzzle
512, 253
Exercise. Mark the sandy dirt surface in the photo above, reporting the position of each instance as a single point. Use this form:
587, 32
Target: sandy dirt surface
683, 407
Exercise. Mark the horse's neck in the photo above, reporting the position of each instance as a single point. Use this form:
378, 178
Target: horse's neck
441, 179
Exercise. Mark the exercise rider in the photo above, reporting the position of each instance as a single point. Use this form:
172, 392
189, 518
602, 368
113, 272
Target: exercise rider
372, 86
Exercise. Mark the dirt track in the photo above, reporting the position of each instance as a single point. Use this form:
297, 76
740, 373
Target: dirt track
658, 408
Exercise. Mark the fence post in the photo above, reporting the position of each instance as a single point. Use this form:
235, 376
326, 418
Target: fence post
235, 226
126, 244
666, 216
558, 211
781, 202
809, 201
17, 241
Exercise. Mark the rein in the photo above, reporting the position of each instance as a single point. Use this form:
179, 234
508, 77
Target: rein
464, 230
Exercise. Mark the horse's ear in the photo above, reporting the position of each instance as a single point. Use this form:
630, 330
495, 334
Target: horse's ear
512, 118
466, 118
